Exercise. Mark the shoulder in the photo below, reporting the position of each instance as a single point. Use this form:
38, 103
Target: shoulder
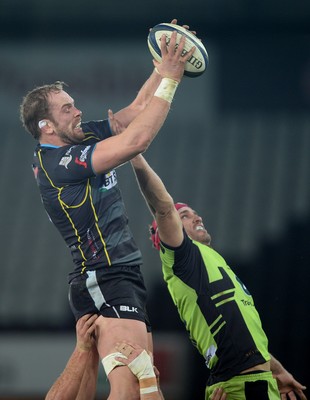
96, 129
178, 255
65, 164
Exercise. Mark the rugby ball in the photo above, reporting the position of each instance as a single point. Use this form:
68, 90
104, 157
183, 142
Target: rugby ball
199, 61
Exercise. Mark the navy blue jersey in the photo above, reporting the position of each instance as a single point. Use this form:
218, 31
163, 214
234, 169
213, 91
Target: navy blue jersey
86, 208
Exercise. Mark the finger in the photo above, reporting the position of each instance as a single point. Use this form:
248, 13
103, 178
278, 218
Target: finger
134, 346
189, 54
301, 394
174, 21
91, 329
291, 395
172, 43
218, 394
214, 395
123, 360
125, 349
163, 45
89, 319
87, 325
157, 373
80, 325
299, 386
86, 317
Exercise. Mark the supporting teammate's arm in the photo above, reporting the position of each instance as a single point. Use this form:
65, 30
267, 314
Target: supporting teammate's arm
79, 378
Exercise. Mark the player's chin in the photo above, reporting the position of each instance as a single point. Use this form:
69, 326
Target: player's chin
202, 236
78, 134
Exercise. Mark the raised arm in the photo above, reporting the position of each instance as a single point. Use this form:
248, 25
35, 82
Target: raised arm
136, 138
129, 113
79, 378
145, 94
160, 202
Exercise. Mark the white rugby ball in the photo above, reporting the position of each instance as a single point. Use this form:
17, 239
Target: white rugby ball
199, 61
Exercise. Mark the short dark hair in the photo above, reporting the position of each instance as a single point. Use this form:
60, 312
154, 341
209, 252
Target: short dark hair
35, 107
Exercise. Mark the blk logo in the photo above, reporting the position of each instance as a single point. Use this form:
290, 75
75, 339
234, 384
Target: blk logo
128, 309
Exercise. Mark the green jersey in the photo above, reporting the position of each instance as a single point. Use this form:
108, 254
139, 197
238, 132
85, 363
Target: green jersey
216, 308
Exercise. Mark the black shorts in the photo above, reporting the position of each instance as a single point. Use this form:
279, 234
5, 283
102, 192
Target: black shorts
115, 292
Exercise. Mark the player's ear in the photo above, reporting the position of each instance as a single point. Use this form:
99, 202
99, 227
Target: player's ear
42, 123
45, 125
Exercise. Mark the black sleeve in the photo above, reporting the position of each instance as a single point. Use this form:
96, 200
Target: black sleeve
99, 129
69, 164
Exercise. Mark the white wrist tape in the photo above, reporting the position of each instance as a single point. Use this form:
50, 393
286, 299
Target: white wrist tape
166, 89
109, 362
149, 389
142, 366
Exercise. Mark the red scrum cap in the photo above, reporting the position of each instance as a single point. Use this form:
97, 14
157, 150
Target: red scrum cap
154, 231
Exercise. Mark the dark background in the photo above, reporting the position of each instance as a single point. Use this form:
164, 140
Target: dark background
240, 155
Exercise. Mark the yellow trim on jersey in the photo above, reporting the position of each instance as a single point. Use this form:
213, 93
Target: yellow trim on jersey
64, 206
97, 226
215, 296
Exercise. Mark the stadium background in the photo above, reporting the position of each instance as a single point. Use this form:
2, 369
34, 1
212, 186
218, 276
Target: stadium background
236, 146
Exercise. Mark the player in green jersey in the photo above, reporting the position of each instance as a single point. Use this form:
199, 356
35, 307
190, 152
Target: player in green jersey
216, 307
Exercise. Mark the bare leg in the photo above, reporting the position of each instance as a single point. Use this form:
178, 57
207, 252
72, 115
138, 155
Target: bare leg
123, 384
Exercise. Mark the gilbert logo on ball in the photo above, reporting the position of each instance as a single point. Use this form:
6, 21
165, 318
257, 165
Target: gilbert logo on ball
199, 61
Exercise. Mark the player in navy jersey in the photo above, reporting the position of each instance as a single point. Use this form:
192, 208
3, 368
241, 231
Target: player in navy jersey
217, 309
74, 164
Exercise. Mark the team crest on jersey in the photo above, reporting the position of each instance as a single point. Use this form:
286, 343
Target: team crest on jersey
82, 159
65, 161
110, 180
209, 355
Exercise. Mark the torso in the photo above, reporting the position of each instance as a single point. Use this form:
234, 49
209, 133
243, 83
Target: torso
217, 309
88, 210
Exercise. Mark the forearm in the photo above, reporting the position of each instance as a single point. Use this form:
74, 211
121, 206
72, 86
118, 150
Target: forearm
151, 186
135, 139
68, 384
147, 90
275, 365
145, 94
89, 381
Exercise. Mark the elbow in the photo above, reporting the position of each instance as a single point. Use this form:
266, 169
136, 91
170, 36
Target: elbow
164, 206
142, 145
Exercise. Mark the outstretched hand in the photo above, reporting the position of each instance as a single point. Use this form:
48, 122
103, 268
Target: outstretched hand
116, 126
289, 387
175, 22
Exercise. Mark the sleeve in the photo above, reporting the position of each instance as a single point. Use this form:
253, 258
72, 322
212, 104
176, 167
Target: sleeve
177, 256
72, 164
98, 129
182, 259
